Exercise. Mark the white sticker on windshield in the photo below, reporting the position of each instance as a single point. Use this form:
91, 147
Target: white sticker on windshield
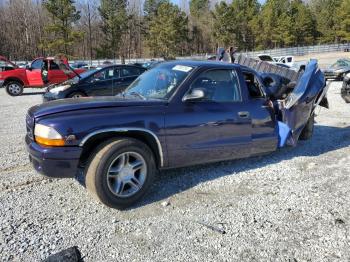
182, 68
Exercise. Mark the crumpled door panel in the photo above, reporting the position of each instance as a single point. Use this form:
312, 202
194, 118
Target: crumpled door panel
301, 103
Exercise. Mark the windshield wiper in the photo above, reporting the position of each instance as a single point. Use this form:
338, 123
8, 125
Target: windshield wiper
138, 95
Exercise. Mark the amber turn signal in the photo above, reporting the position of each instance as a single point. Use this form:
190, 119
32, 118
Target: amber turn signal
49, 142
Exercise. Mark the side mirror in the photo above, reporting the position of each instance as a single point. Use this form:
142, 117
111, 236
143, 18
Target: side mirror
28, 67
196, 94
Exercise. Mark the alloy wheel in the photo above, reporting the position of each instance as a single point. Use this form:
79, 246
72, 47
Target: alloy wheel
14, 89
126, 174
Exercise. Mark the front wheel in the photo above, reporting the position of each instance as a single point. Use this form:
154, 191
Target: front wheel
120, 172
76, 95
308, 129
14, 88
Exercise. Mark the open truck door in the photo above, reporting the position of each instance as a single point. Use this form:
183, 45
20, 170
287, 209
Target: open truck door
57, 70
300, 104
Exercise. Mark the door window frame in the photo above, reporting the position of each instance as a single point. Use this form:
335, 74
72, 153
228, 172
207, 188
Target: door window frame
127, 67
36, 60
88, 80
260, 86
213, 101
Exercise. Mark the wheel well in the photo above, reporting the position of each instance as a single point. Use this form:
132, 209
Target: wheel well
13, 79
93, 142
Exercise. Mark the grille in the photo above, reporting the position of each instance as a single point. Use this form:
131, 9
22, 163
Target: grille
30, 126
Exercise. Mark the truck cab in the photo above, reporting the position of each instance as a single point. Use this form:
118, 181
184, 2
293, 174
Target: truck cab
288, 60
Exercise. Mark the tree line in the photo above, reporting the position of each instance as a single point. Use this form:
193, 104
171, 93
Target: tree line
98, 29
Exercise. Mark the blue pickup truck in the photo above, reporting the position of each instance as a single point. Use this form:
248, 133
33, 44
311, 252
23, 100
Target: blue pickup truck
177, 114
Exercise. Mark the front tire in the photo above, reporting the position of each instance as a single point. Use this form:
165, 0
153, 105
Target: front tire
76, 95
14, 88
120, 172
308, 130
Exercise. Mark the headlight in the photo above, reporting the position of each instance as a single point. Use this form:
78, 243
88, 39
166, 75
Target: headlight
58, 89
348, 75
47, 136
339, 71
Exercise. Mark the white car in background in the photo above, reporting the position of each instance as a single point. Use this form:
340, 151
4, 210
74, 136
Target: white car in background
287, 61
290, 61
272, 60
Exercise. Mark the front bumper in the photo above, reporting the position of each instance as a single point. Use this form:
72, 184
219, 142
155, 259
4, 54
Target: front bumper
58, 162
334, 75
2, 83
48, 96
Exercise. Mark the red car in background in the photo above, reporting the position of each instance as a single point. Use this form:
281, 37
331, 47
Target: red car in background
41, 72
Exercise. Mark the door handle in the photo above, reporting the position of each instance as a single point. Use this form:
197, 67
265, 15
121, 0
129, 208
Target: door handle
243, 114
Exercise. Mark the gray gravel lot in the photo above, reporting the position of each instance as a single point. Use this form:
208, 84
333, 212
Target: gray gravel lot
292, 205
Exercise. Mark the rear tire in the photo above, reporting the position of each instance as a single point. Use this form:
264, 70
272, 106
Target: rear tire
308, 129
14, 88
76, 95
120, 172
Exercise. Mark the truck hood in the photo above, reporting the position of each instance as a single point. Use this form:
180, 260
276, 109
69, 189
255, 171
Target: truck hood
63, 64
2, 58
85, 103
337, 69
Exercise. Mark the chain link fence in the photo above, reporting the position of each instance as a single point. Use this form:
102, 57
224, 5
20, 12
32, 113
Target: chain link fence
294, 51
302, 50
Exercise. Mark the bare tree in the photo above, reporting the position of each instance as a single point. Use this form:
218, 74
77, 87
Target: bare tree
89, 24
21, 29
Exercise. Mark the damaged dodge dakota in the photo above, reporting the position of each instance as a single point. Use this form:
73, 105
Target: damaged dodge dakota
179, 113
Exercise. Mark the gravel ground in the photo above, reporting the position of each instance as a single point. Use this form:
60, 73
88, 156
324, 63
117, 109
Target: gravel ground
292, 205
324, 59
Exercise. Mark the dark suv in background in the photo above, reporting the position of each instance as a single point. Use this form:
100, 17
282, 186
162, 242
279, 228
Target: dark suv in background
105, 81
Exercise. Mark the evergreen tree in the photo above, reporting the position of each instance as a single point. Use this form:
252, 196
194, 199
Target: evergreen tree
275, 23
150, 7
343, 20
198, 8
62, 36
200, 25
304, 29
326, 13
224, 24
114, 26
245, 14
168, 31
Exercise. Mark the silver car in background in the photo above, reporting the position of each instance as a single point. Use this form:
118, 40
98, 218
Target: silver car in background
338, 70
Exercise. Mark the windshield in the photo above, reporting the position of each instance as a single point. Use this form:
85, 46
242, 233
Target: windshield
159, 82
83, 75
341, 63
266, 58
4, 65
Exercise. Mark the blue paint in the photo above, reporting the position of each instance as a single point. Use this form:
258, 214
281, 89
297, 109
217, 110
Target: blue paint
188, 132
283, 133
